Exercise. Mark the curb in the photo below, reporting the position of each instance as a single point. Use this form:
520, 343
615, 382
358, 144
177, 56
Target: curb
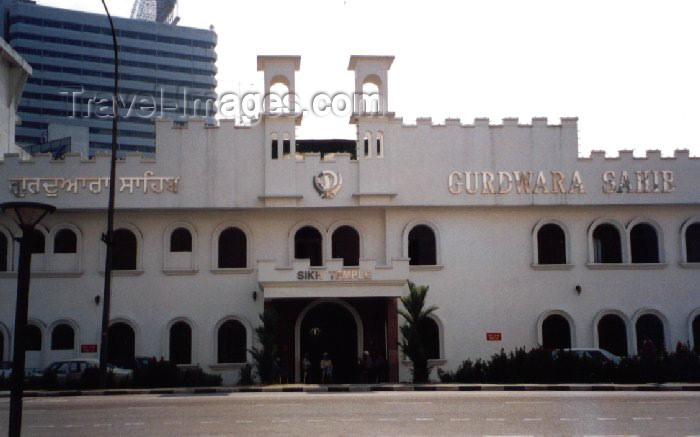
356, 388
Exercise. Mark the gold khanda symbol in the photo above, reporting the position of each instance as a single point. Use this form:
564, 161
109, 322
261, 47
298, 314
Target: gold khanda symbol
328, 183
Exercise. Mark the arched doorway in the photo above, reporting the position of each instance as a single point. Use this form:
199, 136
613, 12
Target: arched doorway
330, 328
556, 332
181, 343
650, 328
612, 334
122, 345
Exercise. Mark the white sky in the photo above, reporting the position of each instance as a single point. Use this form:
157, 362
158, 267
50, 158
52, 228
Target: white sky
630, 70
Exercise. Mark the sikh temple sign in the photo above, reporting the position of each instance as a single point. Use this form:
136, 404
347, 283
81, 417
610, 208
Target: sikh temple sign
333, 275
557, 182
52, 186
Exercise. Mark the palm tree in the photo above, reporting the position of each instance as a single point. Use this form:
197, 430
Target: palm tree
415, 315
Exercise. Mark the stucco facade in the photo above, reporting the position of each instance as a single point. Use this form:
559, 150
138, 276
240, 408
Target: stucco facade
484, 191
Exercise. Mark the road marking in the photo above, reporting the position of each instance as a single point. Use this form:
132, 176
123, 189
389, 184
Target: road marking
532, 419
424, 419
606, 418
407, 403
204, 422
528, 402
641, 418
73, 426
280, 420
134, 423
459, 419
41, 426
678, 417
278, 405
99, 425
569, 419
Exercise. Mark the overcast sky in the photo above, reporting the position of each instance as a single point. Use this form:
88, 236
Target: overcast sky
630, 70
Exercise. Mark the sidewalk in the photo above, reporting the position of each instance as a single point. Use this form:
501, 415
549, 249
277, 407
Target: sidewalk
313, 388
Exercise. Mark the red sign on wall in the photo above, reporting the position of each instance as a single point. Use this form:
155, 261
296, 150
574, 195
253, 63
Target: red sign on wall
88, 348
493, 336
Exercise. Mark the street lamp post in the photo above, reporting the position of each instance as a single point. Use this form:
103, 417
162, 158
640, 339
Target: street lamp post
27, 215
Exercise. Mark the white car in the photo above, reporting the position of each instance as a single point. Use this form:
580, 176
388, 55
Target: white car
592, 353
71, 371
5, 369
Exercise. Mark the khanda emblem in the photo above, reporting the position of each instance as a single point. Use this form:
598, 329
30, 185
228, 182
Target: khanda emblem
328, 183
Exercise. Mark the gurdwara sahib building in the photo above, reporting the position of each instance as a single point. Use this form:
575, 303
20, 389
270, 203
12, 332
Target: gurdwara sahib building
522, 242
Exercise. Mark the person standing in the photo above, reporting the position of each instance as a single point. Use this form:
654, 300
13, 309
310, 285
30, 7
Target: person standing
326, 369
305, 368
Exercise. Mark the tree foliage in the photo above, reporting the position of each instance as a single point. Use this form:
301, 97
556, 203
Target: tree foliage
415, 314
265, 355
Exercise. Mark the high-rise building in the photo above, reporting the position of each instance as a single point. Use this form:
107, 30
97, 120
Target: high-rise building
161, 11
166, 71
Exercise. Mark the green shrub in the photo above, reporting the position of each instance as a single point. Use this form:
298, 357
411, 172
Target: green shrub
540, 366
246, 375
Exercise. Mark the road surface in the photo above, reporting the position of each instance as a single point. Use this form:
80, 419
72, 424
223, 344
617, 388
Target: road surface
364, 414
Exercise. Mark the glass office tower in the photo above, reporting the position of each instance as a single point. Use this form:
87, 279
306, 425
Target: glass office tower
165, 71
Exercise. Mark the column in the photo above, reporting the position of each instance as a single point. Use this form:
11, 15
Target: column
392, 334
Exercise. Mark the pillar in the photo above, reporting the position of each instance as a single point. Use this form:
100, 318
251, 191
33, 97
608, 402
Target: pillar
392, 338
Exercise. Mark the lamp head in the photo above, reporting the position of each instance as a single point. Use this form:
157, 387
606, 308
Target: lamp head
27, 214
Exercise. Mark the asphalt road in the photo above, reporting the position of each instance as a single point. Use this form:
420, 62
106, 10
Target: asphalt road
364, 414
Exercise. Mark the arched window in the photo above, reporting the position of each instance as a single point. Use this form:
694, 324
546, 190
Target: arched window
38, 242
430, 336
181, 240
308, 244
380, 145
607, 244
696, 333
286, 146
644, 244
65, 241
275, 146
551, 244
2, 346
367, 144
346, 245
181, 343
124, 250
422, 246
692, 243
62, 337
612, 334
121, 347
232, 249
650, 333
232, 343
4, 249
556, 332
32, 338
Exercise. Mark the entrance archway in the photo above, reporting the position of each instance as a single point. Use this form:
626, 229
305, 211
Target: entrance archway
121, 347
333, 328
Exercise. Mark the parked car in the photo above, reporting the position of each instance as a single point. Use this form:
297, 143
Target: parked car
29, 373
70, 372
5, 369
591, 353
